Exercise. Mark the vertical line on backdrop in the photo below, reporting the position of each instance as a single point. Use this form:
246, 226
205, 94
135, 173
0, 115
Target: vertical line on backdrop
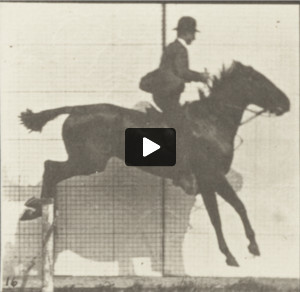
114, 170
163, 180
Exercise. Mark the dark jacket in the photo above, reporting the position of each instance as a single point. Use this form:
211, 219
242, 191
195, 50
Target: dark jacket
173, 72
175, 59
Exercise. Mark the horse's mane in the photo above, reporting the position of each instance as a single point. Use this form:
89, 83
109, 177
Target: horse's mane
218, 80
224, 74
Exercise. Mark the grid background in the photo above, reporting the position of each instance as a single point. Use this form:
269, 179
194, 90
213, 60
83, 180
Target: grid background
118, 222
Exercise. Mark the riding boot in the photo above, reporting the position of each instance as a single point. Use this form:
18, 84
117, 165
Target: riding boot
184, 176
174, 116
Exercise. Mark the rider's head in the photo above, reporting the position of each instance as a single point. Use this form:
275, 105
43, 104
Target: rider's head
186, 29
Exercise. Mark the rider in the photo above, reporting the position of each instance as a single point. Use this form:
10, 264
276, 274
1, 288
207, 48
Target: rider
166, 85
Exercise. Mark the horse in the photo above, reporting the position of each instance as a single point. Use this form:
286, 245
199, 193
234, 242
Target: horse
92, 134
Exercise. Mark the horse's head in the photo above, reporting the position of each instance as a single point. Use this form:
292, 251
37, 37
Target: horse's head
259, 90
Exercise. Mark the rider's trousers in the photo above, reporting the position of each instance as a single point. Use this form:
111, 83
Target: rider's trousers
174, 116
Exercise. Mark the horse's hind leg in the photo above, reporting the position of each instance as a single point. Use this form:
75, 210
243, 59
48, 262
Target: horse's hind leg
54, 172
210, 202
225, 190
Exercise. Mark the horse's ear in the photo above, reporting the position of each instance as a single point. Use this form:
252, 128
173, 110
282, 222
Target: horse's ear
232, 66
237, 64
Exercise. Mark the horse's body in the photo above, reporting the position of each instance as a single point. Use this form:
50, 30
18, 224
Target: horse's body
93, 134
100, 135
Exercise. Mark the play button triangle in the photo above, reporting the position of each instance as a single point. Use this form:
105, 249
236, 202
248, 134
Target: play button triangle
149, 147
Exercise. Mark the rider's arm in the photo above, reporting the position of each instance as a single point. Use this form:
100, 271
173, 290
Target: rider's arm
182, 68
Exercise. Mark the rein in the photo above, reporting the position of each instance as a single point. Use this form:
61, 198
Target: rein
254, 116
255, 113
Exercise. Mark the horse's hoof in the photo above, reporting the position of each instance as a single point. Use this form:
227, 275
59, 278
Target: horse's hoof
253, 248
33, 203
30, 214
231, 261
37, 203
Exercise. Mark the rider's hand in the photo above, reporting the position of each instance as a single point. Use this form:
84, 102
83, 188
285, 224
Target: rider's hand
204, 77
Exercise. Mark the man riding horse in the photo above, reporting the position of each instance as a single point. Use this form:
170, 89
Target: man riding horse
166, 85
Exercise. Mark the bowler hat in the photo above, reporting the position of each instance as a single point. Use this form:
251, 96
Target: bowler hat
187, 24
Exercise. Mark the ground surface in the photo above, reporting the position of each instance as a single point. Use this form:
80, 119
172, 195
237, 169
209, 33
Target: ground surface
167, 284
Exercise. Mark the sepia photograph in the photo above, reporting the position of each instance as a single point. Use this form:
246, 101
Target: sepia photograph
149, 146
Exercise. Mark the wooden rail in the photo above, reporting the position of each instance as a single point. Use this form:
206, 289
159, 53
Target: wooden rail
48, 225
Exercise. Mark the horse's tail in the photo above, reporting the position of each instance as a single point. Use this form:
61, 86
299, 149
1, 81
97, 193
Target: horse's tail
36, 121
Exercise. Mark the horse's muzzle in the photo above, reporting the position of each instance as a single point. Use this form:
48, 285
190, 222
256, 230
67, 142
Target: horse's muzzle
279, 110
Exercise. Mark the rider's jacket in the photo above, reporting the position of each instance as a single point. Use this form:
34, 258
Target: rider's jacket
173, 72
175, 59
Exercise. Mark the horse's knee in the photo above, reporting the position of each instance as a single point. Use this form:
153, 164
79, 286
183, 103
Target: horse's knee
240, 208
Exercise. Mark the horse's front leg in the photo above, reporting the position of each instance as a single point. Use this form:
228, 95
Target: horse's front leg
210, 202
225, 190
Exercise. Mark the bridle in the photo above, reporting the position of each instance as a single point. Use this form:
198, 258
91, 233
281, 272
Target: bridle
255, 113
254, 116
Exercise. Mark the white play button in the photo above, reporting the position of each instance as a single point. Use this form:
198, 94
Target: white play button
149, 147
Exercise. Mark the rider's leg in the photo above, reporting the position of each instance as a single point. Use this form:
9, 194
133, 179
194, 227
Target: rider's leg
183, 175
171, 109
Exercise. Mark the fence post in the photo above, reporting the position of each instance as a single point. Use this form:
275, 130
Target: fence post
163, 35
48, 246
163, 201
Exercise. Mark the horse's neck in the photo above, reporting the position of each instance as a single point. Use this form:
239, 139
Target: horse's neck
232, 110
229, 105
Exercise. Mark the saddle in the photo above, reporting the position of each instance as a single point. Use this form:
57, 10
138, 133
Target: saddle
154, 117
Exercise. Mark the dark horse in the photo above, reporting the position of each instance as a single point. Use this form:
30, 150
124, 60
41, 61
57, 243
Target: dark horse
94, 133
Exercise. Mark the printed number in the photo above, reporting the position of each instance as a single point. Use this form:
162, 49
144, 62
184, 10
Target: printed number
12, 283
